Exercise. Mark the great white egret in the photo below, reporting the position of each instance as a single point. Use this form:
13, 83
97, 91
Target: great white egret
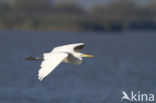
67, 53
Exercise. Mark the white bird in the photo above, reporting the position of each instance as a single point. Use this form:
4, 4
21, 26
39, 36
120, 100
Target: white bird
67, 53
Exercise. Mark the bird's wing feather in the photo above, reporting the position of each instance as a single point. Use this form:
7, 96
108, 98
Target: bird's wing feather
78, 48
51, 60
69, 48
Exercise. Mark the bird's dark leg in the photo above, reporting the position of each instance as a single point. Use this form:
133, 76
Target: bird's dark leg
33, 59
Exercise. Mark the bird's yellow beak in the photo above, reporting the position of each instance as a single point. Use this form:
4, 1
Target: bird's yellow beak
85, 55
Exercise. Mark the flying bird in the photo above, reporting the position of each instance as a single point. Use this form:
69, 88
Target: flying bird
67, 53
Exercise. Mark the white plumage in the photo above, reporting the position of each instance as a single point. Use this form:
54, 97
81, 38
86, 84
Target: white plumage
68, 48
51, 60
66, 53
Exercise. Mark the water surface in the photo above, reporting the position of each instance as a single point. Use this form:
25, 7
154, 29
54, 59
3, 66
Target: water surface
123, 61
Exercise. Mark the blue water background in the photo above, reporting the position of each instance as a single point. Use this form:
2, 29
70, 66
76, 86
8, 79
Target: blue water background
123, 61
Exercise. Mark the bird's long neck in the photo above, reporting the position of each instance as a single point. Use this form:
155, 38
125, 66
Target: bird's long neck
33, 59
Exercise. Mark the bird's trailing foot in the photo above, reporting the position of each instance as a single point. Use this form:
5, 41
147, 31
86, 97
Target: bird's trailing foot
33, 59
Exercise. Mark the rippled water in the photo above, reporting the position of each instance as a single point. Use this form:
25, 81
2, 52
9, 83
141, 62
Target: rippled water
123, 61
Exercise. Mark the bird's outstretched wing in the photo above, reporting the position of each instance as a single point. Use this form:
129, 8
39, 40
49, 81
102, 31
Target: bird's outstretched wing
51, 60
77, 47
